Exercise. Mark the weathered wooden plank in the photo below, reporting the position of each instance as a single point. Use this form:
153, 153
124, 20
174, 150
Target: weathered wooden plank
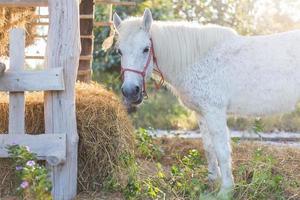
87, 57
82, 16
35, 57
87, 16
42, 16
25, 3
16, 124
84, 72
45, 80
41, 23
87, 36
50, 147
87, 9
42, 57
63, 50
102, 24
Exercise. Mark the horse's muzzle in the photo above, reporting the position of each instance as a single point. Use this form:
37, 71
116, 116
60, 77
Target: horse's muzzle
132, 104
135, 100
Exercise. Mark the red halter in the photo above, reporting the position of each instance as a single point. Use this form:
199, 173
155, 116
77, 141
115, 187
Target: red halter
143, 73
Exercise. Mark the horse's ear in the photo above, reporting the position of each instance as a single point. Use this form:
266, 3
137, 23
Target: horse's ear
147, 20
117, 21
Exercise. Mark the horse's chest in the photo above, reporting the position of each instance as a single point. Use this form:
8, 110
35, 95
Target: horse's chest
186, 97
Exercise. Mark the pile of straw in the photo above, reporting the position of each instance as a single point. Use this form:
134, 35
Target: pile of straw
12, 18
103, 126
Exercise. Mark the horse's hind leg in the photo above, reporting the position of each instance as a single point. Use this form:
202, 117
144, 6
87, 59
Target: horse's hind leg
213, 168
217, 126
2, 68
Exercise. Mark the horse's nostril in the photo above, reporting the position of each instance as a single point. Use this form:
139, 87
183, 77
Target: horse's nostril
137, 89
130, 91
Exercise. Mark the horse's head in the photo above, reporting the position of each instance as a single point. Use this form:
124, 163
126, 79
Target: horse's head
135, 48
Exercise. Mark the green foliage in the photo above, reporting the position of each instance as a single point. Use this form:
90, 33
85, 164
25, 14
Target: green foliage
161, 9
188, 178
112, 80
163, 111
185, 180
145, 145
259, 180
237, 14
258, 126
34, 183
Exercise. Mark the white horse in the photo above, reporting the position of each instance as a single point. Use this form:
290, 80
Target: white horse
215, 72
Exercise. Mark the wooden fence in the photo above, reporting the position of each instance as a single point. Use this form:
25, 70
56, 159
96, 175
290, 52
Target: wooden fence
58, 146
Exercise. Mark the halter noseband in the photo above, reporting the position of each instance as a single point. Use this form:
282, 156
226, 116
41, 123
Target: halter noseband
143, 73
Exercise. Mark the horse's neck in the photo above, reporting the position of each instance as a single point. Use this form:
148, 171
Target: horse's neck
177, 47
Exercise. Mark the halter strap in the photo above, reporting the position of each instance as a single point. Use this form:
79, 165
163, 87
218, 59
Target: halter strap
143, 73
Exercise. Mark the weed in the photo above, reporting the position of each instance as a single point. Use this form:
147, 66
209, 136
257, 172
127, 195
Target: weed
259, 179
145, 145
258, 126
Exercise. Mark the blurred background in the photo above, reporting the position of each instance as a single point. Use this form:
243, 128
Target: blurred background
248, 17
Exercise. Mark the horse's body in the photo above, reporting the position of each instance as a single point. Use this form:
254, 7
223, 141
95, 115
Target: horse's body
216, 72
256, 75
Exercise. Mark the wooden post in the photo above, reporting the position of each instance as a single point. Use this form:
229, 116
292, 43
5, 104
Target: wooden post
63, 50
16, 99
86, 29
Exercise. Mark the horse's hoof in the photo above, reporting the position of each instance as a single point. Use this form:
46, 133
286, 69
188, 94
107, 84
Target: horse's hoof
225, 194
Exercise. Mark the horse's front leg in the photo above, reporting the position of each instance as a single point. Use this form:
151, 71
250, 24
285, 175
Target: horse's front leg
213, 168
217, 126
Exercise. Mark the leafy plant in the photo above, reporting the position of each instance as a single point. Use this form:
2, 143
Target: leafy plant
259, 179
188, 177
258, 126
186, 180
145, 145
34, 182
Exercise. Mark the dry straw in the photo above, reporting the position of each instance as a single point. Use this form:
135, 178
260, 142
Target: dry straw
103, 126
12, 18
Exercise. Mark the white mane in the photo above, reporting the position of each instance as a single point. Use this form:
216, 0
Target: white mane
178, 44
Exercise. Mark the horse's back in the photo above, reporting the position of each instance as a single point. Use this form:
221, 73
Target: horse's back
263, 73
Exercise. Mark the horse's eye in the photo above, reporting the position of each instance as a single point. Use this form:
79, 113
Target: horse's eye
119, 52
146, 50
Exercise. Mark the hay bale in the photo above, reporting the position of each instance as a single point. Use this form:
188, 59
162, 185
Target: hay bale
12, 18
103, 127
